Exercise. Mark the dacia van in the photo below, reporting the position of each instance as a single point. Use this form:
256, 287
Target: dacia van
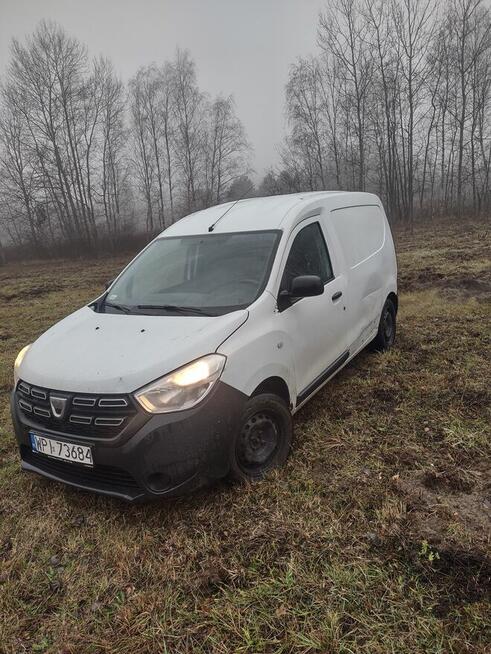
191, 365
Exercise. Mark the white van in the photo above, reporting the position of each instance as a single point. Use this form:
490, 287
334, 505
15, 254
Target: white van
190, 367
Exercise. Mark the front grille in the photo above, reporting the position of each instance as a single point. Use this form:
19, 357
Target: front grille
99, 477
92, 416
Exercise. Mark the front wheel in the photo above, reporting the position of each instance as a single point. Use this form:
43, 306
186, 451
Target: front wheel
386, 334
263, 439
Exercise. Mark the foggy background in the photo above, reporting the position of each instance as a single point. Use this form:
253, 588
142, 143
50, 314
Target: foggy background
119, 118
243, 48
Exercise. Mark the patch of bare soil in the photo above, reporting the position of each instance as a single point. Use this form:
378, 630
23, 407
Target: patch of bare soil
450, 509
455, 287
465, 287
449, 519
29, 292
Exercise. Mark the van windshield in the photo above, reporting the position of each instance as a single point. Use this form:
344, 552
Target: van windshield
209, 274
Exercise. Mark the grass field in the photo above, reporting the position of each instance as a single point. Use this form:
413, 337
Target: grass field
376, 537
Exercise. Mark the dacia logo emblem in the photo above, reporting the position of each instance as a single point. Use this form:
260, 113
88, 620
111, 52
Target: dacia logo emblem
58, 405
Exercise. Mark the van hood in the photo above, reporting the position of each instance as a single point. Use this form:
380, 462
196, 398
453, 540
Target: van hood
91, 352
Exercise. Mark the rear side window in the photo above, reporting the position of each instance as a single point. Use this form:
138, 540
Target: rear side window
361, 231
308, 256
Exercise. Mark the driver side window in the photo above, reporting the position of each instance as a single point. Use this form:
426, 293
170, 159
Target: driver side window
308, 256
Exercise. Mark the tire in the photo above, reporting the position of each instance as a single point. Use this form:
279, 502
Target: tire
263, 438
386, 334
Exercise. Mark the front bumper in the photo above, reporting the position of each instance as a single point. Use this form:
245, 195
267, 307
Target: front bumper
166, 455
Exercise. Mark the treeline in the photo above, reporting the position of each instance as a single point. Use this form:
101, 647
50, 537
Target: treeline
82, 157
396, 101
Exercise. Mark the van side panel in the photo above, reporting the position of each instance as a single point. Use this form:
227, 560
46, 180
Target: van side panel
259, 350
366, 242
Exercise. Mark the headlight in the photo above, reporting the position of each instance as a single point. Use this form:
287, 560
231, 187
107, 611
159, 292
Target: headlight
18, 360
184, 387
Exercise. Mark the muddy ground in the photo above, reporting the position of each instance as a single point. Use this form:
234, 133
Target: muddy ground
376, 536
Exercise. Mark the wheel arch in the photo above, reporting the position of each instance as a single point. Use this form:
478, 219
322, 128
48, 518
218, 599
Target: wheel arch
394, 299
277, 386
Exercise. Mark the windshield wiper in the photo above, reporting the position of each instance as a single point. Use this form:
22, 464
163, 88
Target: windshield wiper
119, 307
174, 307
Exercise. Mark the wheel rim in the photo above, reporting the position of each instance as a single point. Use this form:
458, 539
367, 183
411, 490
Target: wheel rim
258, 442
388, 326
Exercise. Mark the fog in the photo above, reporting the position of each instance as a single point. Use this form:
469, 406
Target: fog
240, 47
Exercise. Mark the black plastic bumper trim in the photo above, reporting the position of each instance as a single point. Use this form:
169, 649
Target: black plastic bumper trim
169, 454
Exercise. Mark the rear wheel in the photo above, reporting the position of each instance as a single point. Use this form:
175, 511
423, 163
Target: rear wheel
386, 334
263, 439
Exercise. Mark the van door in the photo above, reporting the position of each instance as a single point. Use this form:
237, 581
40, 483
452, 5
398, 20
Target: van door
317, 326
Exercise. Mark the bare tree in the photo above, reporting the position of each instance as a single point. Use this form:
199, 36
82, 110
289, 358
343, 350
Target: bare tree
17, 183
306, 110
190, 126
142, 157
398, 101
227, 149
343, 37
113, 173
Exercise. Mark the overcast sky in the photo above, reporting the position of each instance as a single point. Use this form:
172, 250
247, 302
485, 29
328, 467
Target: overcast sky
242, 47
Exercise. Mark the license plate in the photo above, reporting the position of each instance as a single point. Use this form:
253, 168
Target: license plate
61, 449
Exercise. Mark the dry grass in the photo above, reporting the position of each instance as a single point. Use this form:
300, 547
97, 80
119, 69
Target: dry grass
374, 538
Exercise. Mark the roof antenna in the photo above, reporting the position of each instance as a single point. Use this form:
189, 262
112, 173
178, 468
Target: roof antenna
212, 226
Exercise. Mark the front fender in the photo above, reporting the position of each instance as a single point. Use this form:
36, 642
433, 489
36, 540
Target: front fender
259, 350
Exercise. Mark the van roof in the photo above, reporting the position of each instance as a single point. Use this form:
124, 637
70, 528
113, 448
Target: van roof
273, 212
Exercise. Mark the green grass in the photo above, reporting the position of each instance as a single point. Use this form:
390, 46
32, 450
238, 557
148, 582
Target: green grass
374, 538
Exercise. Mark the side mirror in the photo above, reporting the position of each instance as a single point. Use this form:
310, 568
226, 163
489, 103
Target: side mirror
306, 286
301, 286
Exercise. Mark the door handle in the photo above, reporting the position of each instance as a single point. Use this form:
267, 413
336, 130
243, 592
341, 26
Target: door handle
336, 296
